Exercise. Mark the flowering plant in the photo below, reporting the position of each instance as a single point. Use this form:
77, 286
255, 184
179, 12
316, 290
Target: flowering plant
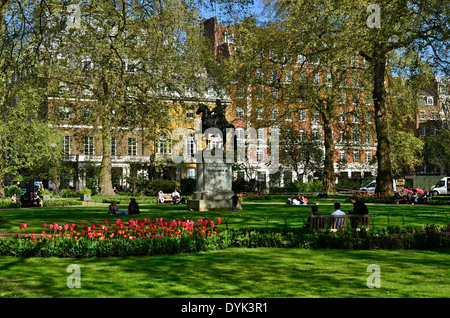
133, 229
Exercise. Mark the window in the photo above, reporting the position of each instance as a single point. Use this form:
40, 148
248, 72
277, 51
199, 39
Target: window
261, 133
259, 74
66, 145
240, 133
430, 101
355, 98
316, 78
274, 75
259, 113
302, 114
63, 88
274, 93
132, 146
259, 93
354, 61
316, 116
190, 173
288, 75
355, 119
288, 115
88, 113
343, 98
356, 135
274, 113
240, 93
422, 116
315, 134
355, 155
315, 60
163, 145
342, 155
341, 135
64, 113
341, 117
261, 177
302, 76
260, 155
368, 117
355, 81
368, 99
239, 112
89, 145
113, 146
368, 137
302, 134
190, 114
191, 146
368, 156
215, 142
328, 78
301, 58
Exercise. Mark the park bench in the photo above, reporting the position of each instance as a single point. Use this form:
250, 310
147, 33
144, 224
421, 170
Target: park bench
167, 198
334, 222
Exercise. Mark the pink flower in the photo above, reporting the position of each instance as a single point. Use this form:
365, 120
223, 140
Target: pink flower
66, 226
45, 224
219, 220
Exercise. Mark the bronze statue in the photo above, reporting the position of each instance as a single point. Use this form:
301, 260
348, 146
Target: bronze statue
215, 118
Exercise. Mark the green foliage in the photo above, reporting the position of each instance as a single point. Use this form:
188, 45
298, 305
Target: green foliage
425, 238
167, 186
312, 186
6, 204
54, 203
10, 190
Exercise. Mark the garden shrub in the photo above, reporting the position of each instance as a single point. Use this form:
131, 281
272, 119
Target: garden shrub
53, 203
7, 204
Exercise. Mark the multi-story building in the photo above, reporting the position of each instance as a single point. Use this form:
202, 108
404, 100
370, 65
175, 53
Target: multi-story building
353, 135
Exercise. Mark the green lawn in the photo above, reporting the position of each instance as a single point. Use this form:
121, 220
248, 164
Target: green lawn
231, 273
254, 215
234, 273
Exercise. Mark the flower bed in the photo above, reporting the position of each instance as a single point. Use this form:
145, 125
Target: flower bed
136, 237
143, 238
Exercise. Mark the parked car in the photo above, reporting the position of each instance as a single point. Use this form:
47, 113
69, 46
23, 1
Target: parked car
441, 188
370, 188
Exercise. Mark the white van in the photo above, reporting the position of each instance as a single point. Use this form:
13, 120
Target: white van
442, 187
370, 188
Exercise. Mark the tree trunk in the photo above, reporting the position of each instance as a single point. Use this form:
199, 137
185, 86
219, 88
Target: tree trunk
105, 182
384, 176
2, 186
329, 176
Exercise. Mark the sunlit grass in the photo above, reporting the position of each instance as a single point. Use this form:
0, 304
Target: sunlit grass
234, 273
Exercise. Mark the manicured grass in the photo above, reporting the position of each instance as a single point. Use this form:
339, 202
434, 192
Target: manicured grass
232, 273
254, 215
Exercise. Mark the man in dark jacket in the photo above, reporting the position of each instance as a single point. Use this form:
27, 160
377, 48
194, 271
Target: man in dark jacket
358, 206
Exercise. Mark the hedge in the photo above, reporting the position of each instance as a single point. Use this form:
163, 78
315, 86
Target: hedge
413, 237
54, 203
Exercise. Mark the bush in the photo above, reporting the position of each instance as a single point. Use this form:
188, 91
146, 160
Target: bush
167, 186
8, 204
69, 193
188, 186
314, 186
52, 203
100, 243
10, 190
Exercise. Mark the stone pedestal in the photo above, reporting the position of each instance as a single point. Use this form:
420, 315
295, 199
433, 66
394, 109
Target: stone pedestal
214, 188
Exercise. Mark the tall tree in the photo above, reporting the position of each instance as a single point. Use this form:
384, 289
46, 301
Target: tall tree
391, 26
133, 57
26, 140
